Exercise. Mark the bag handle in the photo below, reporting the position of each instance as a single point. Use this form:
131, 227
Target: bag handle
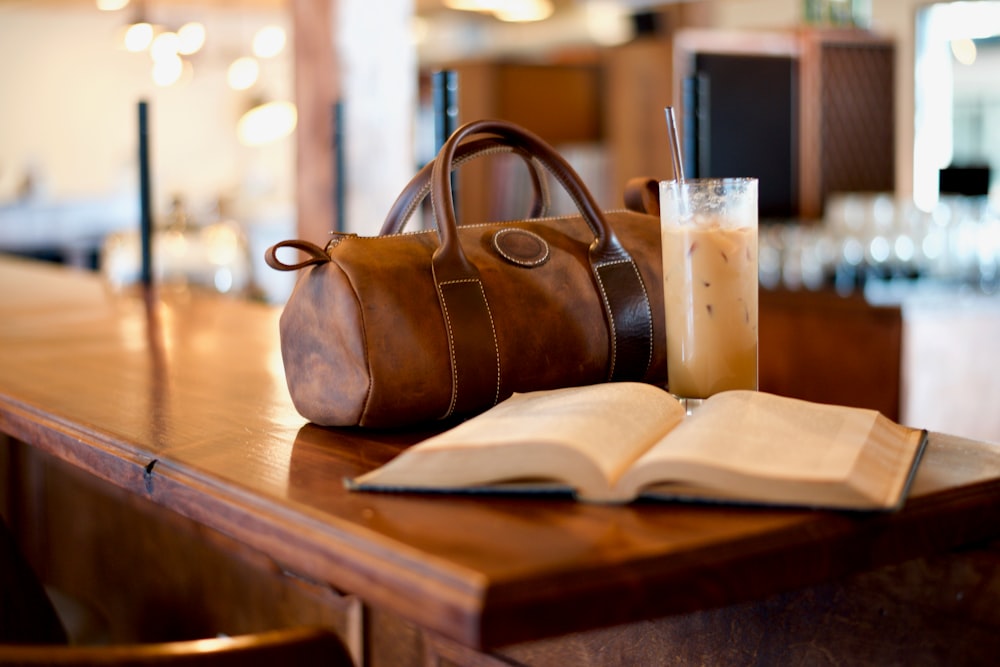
605, 248
414, 194
420, 185
316, 255
642, 194
616, 278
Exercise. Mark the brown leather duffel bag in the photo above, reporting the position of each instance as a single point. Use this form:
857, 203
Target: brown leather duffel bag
404, 328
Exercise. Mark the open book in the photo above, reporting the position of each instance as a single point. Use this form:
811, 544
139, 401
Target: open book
615, 442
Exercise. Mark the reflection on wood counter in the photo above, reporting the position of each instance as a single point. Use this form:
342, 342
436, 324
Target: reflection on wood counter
922, 353
179, 400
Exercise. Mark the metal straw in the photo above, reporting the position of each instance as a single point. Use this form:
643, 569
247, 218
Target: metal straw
675, 144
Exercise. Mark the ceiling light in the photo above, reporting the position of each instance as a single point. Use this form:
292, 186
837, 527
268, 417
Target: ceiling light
138, 37
243, 73
506, 10
167, 70
470, 5
164, 46
266, 123
607, 23
522, 11
269, 41
190, 38
964, 50
111, 5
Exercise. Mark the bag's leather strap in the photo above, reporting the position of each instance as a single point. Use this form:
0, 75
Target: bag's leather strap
420, 185
316, 255
642, 194
474, 354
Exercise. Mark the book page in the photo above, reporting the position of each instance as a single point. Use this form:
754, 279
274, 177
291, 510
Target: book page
881, 471
768, 436
610, 425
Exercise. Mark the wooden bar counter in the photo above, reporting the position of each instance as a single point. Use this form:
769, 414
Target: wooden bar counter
166, 414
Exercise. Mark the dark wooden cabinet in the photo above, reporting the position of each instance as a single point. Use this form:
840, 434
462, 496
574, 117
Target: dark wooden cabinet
824, 347
809, 112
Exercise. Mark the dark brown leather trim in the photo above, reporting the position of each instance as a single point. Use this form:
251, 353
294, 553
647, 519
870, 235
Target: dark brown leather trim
630, 319
642, 195
472, 344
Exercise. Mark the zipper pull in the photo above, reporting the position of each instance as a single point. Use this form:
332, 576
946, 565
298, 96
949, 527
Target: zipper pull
336, 238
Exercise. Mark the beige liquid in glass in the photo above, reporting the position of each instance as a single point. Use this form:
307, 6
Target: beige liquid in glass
710, 293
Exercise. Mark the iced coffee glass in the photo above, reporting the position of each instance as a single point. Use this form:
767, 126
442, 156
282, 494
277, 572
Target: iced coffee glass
709, 238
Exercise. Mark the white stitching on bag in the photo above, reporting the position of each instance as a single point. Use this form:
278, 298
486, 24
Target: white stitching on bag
649, 312
451, 339
496, 343
611, 318
519, 261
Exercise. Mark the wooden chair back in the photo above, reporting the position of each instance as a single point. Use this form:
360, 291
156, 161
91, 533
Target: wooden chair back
32, 634
302, 646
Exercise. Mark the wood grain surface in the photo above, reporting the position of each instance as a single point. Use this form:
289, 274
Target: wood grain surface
180, 398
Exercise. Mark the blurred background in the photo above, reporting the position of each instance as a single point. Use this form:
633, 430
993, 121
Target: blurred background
272, 119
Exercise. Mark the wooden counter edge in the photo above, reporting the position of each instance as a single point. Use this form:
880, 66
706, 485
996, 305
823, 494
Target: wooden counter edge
465, 607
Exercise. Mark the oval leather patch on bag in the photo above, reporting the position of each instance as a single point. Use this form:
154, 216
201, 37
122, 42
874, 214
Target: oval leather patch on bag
521, 247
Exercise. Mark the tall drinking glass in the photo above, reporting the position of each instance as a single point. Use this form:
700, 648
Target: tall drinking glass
709, 239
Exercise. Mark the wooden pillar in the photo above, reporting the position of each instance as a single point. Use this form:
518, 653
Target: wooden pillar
639, 84
359, 54
379, 77
316, 91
